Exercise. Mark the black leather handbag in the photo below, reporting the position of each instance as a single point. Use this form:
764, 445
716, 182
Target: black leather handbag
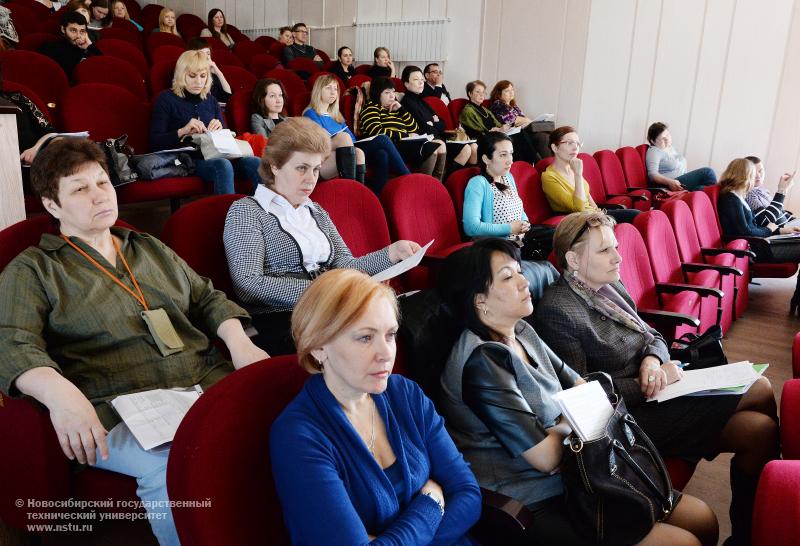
617, 487
704, 351
537, 242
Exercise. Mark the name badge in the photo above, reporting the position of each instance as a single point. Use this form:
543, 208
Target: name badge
163, 332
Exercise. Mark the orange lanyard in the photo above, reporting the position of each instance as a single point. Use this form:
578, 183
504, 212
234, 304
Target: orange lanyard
139, 297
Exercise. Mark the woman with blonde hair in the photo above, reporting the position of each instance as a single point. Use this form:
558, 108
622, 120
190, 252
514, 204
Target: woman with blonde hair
362, 446
166, 22
120, 10
187, 109
380, 152
278, 241
383, 65
737, 219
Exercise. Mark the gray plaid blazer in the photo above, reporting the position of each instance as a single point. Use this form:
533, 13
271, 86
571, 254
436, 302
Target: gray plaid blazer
589, 341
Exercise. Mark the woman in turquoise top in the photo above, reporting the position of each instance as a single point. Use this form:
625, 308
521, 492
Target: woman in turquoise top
492, 207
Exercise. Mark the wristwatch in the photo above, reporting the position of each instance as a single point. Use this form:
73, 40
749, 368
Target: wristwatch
435, 499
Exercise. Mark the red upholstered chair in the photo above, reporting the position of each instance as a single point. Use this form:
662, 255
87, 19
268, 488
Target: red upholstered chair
790, 419
10, 86
261, 63
326, 59
158, 39
238, 110
238, 78
614, 180
543, 163
35, 40
42, 74
591, 173
632, 162
166, 53
456, 184
672, 317
665, 260
776, 516
398, 85
33, 466
245, 49
291, 82
189, 25
796, 356
134, 38
347, 106
194, 232
216, 44
297, 102
315, 76
303, 64
160, 78
641, 149
121, 49
102, 69
276, 49
529, 187
363, 69
26, 21
124, 24
440, 109
237, 35
134, 10
265, 41
358, 80
150, 13
419, 209
455, 106
224, 57
691, 251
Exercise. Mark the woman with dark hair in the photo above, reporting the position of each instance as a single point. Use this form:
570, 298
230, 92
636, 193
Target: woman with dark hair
269, 98
492, 207
498, 389
101, 16
382, 67
384, 115
459, 153
343, 65
505, 109
667, 167
217, 28
589, 319
563, 184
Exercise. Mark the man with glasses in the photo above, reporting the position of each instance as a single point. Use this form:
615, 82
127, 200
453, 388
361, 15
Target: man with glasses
300, 48
433, 83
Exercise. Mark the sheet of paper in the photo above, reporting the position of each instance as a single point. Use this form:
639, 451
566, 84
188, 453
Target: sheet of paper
404, 265
513, 131
184, 149
418, 137
587, 409
366, 139
153, 416
224, 142
545, 117
759, 369
718, 377
783, 238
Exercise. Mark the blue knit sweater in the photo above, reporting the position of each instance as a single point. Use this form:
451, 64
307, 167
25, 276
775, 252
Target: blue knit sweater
334, 492
478, 217
171, 112
328, 123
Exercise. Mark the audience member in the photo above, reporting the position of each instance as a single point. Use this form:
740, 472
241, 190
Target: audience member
187, 109
498, 401
766, 208
343, 65
736, 219
278, 241
383, 65
120, 10
268, 103
563, 184
166, 22
433, 83
589, 319
52, 6
220, 88
76, 45
285, 36
94, 345
217, 28
504, 107
492, 207
380, 151
299, 47
458, 153
101, 15
667, 167
359, 444
384, 115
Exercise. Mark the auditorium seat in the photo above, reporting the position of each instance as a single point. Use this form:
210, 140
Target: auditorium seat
635, 172
399, 86
440, 109
776, 515
529, 188
103, 69
246, 49
261, 63
455, 106
363, 69
121, 49
35, 40
591, 173
224, 57
326, 59
265, 42
166, 53
542, 164
134, 10
790, 419
158, 39
302, 64
612, 168
276, 49
238, 78
134, 38
456, 185
238, 36
124, 24
189, 25
291, 82
796, 356
297, 102
40, 73
160, 78
358, 80
314, 77
238, 110
150, 13
25, 19
10, 86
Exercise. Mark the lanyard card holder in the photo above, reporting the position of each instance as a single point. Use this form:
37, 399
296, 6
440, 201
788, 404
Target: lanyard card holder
163, 332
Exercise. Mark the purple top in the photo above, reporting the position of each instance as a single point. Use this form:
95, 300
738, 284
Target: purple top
506, 113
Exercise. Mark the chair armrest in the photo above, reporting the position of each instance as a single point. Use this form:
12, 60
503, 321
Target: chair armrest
654, 189
674, 288
435, 256
629, 196
723, 269
503, 520
739, 253
612, 206
748, 238
790, 419
674, 319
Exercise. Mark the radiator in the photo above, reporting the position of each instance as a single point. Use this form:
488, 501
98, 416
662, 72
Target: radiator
406, 40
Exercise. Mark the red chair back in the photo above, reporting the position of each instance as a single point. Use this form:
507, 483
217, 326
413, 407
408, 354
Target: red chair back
134, 11
261, 63
133, 38
276, 49
611, 171
291, 82
124, 24
704, 213
237, 35
120, 49
265, 42
194, 232
297, 102
26, 21
303, 64
358, 80
683, 226
363, 69
189, 25
440, 109
642, 150
35, 40
662, 248
455, 106
635, 271
113, 71
633, 168
150, 14
398, 85
246, 49
456, 184
160, 77
238, 110
347, 106
31, 94
166, 53
542, 164
224, 57
158, 39
216, 456
314, 77
239, 78
591, 172
326, 59
40, 73
529, 188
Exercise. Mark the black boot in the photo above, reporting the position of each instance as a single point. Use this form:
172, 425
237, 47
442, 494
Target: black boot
743, 494
361, 173
794, 304
439, 167
346, 162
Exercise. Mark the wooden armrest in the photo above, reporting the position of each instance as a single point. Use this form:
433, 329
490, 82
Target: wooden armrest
739, 253
675, 287
612, 206
723, 269
675, 319
630, 196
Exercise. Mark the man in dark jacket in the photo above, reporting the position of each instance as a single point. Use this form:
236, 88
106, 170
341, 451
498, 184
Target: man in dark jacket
433, 83
300, 48
75, 46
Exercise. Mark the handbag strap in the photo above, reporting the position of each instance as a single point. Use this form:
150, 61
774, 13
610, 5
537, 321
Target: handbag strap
662, 467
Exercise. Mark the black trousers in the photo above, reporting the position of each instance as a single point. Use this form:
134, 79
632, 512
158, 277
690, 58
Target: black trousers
274, 333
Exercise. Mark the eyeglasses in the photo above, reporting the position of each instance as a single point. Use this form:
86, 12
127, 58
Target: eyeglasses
590, 223
577, 143
301, 31
434, 72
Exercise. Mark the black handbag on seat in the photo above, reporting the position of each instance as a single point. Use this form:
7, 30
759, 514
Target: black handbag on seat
704, 351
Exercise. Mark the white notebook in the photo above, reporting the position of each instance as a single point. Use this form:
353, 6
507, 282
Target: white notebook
587, 409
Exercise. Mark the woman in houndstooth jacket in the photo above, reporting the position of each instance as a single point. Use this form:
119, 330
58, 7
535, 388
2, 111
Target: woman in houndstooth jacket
278, 241
589, 319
